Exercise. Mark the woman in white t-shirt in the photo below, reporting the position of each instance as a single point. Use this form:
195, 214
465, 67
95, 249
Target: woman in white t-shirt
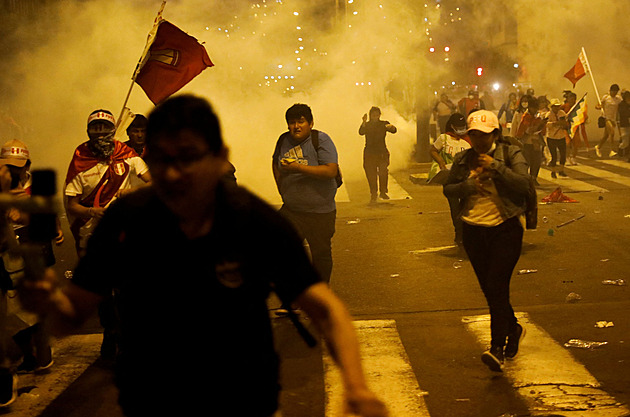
447, 145
443, 151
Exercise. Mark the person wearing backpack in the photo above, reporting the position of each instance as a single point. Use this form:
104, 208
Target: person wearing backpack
305, 168
493, 186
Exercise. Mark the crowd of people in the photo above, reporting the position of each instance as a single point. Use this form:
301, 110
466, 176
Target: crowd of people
189, 212
222, 246
548, 129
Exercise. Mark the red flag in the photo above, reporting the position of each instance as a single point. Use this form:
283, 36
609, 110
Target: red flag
557, 196
579, 69
174, 59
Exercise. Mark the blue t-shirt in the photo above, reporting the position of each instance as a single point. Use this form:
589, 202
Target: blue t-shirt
302, 192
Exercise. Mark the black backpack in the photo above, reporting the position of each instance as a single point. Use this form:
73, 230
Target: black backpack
315, 141
531, 211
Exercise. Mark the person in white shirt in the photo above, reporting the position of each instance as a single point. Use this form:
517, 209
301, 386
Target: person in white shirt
557, 137
609, 106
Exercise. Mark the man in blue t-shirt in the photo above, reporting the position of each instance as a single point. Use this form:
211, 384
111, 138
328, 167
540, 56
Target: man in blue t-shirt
305, 176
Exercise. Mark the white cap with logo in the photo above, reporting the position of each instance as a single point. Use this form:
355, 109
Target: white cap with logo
483, 120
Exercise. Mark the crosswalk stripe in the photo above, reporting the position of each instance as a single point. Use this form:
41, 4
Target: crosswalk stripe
548, 376
616, 163
570, 184
396, 192
342, 194
603, 174
387, 369
341, 197
72, 356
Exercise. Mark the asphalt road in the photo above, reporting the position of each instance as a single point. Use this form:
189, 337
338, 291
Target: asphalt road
402, 283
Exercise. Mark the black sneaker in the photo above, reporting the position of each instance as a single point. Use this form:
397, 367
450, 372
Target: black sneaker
493, 358
8, 387
553, 175
513, 341
562, 174
29, 364
384, 196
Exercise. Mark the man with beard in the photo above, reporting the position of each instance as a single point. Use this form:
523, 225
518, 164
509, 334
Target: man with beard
98, 174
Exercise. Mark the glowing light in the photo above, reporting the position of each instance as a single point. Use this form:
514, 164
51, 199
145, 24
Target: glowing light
431, 49
296, 14
446, 49
479, 71
496, 86
515, 65
280, 66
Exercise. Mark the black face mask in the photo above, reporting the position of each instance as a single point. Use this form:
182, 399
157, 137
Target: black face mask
102, 147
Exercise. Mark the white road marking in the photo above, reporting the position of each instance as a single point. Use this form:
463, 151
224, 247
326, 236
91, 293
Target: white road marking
431, 250
396, 192
570, 184
72, 356
341, 197
616, 163
342, 194
603, 174
387, 370
548, 376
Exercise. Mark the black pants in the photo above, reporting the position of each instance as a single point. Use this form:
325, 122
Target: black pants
376, 171
493, 253
555, 146
453, 205
318, 230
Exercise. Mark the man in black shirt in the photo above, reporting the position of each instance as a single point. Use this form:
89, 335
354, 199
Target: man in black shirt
375, 153
196, 305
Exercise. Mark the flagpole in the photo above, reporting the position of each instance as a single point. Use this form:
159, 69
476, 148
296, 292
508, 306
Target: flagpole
156, 22
576, 103
590, 72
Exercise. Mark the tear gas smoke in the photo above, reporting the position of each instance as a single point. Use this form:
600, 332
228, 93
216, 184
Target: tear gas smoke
76, 56
70, 57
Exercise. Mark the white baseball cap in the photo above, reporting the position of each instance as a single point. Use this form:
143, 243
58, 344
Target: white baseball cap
483, 120
15, 153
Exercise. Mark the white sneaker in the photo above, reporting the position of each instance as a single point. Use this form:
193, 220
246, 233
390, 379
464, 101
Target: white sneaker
598, 152
612, 153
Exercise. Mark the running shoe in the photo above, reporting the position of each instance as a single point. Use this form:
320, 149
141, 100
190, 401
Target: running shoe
513, 342
493, 358
598, 152
8, 387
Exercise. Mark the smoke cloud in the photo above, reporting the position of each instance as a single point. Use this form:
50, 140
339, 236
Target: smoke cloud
70, 57
77, 56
